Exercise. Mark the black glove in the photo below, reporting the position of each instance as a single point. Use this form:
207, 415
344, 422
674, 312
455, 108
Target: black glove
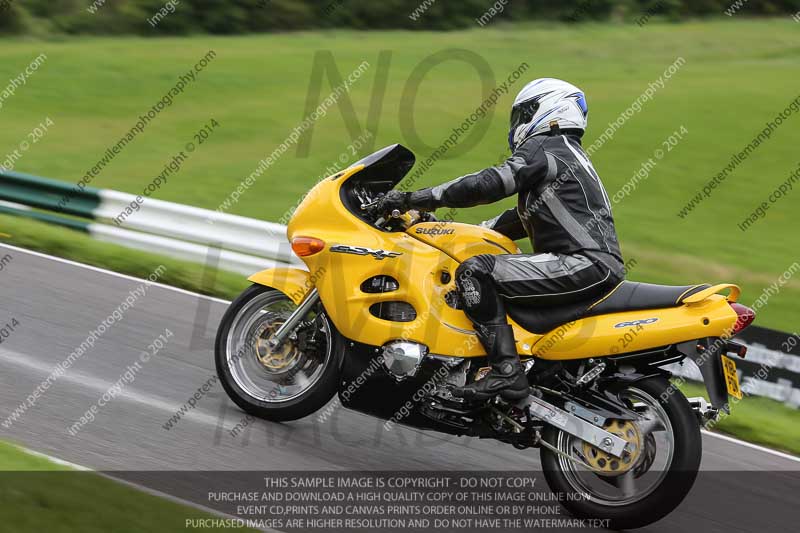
393, 200
403, 201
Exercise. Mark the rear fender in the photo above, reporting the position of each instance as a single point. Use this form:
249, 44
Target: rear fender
293, 282
709, 361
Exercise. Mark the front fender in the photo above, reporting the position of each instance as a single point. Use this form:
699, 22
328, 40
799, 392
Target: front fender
293, 282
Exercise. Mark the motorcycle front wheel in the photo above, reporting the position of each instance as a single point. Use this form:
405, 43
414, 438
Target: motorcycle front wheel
640, 488
287, 383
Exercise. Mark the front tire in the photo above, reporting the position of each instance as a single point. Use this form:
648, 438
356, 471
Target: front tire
279, 385
672, 482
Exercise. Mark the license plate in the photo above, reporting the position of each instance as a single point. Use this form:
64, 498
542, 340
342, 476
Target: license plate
731, 378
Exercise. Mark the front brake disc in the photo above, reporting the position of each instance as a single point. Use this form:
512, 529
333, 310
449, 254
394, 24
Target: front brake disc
275, 361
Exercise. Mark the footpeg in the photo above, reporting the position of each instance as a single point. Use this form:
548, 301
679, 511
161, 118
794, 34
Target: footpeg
704, 411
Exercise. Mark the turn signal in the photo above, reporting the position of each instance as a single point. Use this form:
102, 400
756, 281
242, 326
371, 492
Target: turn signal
305, 246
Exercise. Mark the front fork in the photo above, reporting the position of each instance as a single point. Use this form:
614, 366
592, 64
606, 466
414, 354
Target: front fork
288, 327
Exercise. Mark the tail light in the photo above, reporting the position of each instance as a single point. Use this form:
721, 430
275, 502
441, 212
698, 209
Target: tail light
305, 246
744, 317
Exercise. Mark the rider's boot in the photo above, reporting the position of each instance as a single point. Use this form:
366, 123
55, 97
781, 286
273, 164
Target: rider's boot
506, 377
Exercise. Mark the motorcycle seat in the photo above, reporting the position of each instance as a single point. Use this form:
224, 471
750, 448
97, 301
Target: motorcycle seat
627, 296
635, 296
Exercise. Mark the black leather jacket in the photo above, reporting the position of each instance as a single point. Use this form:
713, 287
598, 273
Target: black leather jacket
562, 204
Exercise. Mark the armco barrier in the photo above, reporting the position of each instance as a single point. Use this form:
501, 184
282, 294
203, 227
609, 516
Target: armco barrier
186, 232
770, 369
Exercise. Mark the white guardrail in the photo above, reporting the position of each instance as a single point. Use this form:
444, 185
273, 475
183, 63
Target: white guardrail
231, 242
245, 245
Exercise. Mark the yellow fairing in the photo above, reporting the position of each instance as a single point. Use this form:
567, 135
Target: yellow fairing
633, 331
462, 241
418, 268
293, 282
424, 261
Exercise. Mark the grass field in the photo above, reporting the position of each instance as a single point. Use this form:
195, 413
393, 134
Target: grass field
38, 495
736, 76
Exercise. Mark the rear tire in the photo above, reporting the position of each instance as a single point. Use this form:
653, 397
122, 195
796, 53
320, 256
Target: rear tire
266, 405
679, 478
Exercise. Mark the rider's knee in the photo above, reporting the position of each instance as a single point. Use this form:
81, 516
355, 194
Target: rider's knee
479, 267
476, 287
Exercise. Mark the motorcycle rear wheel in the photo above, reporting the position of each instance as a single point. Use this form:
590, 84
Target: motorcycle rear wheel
636, 506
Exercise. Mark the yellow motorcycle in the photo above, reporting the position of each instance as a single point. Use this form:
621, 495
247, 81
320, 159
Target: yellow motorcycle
376, 319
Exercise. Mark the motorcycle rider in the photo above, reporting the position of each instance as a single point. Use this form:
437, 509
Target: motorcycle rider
562, 207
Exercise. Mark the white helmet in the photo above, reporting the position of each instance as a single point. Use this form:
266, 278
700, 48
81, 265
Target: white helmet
544, 103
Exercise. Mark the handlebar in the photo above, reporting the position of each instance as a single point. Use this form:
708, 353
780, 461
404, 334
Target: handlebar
368, 204
396, 213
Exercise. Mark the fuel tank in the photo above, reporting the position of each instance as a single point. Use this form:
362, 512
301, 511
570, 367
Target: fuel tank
462, 241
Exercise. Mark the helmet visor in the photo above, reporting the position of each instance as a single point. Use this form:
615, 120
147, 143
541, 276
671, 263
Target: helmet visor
520, 114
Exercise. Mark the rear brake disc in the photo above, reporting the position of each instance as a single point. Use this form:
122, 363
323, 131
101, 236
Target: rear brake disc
609, 464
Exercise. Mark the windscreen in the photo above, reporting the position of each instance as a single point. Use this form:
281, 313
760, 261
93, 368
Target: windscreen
387, 164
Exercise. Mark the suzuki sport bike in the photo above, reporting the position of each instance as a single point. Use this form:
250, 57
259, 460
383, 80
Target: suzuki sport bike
375, 318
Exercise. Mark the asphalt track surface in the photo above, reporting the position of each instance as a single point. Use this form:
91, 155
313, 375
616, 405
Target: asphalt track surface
57, 303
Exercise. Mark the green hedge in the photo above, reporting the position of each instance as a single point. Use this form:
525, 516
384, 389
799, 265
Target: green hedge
243, 16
